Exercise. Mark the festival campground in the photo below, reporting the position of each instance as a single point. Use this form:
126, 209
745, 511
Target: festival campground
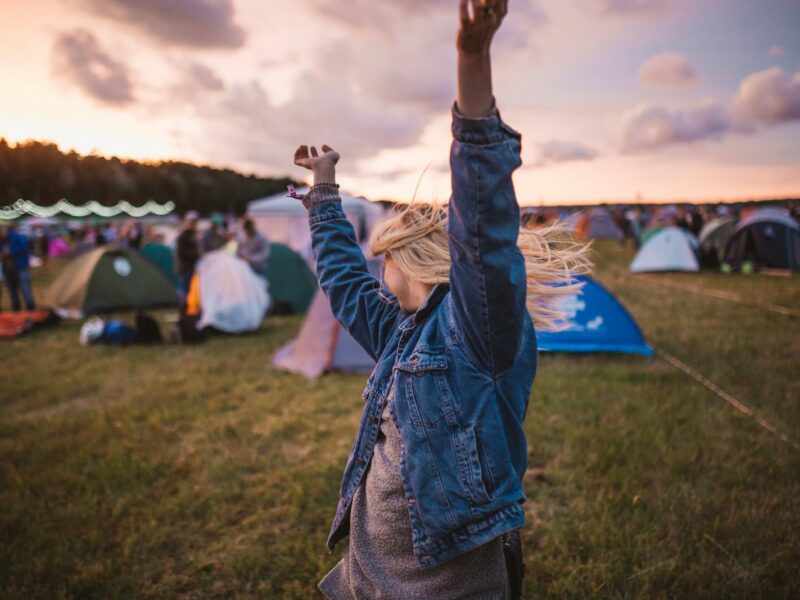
202, 471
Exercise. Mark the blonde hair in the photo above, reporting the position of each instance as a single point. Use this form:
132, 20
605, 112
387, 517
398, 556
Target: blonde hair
415, 238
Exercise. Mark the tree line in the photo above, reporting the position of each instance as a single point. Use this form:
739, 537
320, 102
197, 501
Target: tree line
42, 173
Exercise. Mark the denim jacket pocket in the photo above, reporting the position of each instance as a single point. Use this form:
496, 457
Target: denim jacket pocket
473, 468
424, 386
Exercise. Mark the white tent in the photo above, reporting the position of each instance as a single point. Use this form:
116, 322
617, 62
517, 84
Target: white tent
671, 249
232, 298
283, 219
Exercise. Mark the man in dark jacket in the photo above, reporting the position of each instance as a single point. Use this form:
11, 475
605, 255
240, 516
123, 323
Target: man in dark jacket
187, 251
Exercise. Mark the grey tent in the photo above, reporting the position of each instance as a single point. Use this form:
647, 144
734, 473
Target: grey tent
601, 225
769, 238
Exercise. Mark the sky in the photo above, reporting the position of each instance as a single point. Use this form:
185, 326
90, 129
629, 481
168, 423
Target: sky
616, 100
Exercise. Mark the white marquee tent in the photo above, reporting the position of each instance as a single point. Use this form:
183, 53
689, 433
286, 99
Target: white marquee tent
283, 219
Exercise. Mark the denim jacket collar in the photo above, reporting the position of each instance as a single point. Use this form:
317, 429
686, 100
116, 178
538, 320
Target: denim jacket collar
431, 302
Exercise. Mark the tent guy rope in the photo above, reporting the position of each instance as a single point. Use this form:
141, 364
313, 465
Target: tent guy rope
720, 294
725, 396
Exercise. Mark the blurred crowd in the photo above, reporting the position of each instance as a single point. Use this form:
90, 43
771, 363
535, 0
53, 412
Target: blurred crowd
32, 244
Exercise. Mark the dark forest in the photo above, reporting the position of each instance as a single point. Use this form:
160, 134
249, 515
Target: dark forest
42, 173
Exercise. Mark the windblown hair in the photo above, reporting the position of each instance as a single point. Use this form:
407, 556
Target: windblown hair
415, 238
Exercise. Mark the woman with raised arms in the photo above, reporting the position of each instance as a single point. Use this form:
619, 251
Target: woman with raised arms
431, 497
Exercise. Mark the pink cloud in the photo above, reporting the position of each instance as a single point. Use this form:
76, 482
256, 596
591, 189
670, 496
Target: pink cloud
195, 23
776, 51
558, 151
667, 70
649, 128
764, 99
768, 97
79, 59
631, 6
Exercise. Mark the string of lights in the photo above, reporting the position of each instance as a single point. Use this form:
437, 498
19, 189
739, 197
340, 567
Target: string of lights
25, 207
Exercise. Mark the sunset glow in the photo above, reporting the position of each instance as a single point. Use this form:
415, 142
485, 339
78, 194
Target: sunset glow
616, 99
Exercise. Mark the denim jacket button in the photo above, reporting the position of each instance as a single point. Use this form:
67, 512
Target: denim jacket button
373, 419
361, 461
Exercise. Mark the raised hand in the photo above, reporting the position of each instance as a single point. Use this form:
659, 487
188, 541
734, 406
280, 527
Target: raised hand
478, 29
480, 20
323, 167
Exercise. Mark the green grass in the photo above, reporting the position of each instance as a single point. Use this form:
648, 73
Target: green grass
201, 472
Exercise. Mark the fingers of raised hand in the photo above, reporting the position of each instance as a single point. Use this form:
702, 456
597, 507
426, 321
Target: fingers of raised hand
314, 152
463, 8
301, 158
502, 8
483, 11
330, 153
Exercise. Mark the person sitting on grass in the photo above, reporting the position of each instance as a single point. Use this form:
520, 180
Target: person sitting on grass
432, 493
253, 248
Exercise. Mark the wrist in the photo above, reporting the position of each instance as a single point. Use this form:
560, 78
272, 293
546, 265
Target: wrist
325, 175
321, 193
474, 57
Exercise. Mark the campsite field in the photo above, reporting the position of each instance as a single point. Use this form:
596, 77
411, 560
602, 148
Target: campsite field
195, 472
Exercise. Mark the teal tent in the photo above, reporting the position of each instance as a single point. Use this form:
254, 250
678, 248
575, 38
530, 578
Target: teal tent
292, 285
161, 256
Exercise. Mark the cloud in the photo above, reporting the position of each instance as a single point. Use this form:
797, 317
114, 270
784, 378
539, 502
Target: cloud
377, 75
767, 98
195, 84
78, 58
438, 15
252, 129
649, 128
626, 7
194, 23
764, 99
369, 86
667, 70
776, 51
204, 78
557, 151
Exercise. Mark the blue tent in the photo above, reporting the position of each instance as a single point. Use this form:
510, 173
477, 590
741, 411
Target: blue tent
600, 323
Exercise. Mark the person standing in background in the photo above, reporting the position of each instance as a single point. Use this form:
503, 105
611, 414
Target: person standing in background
214, 237
187, 251
15, 257
253, 248
42, 243
135, 234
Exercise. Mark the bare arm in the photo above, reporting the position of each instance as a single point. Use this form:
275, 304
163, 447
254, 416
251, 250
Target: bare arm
474, 90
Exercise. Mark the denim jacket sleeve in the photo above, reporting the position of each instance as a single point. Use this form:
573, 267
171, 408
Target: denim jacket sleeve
487, 276
343, 275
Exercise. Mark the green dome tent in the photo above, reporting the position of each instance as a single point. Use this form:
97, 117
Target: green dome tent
713, 238
109, 279
161, 256
292, 285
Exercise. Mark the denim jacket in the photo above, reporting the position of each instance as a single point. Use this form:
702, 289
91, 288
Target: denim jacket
463, 364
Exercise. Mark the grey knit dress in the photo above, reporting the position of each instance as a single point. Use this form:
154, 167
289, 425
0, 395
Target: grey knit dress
379, 561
